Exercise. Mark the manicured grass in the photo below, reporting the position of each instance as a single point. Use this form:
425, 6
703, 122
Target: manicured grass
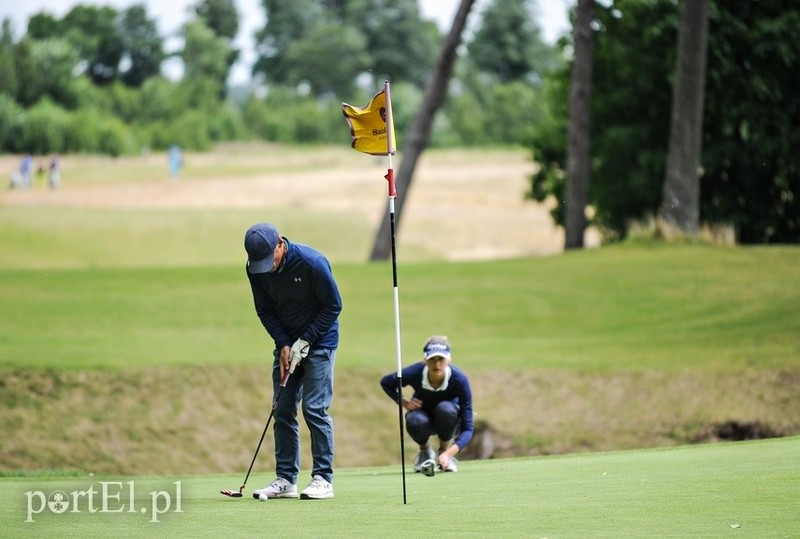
716, 490
622, 308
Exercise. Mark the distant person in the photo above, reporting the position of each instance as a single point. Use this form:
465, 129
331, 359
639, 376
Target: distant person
441, 404
298, 302
54, 177
26, 170
40, 172
16, 179
175, 158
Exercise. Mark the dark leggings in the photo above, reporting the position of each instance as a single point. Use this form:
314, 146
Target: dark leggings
421, 426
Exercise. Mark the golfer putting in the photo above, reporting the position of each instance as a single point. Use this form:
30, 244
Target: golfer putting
440, 406
238, 493
297, 301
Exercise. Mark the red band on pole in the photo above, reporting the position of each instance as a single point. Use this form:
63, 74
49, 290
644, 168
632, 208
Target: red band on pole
390, 178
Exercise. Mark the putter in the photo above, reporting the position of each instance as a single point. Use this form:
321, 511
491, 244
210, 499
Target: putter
430, 467
238, 494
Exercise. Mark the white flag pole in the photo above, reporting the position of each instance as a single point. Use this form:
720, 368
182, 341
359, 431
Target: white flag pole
390, 150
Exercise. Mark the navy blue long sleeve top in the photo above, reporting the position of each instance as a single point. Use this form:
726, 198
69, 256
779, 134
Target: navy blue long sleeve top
300, 300
457, 390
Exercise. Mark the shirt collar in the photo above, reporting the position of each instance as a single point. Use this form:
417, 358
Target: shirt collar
427, 385
285, 255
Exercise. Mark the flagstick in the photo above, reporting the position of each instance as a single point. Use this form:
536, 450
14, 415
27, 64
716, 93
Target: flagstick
392, 196
364, 128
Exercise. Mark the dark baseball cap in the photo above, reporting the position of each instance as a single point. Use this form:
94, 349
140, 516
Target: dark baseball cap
260, 241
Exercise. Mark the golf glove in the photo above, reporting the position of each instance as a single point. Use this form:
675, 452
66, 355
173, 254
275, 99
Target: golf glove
298, 353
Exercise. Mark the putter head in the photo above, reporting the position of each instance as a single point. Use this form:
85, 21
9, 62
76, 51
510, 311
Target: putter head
429, 467
232, 493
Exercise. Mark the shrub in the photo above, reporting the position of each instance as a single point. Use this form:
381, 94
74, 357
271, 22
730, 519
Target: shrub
84, 134
12, 124
46, 128
116, 138
226, 124
190, 131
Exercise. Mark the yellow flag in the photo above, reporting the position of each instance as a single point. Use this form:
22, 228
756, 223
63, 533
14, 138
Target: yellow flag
368, 125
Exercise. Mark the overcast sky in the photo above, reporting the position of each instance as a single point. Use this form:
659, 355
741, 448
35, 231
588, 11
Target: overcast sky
171, 14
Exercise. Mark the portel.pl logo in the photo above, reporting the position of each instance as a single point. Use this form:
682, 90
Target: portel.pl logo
104, 497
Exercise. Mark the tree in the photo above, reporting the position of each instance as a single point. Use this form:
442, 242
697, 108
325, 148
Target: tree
44, 26
508, 43
143, 46
6, 34
205, 60
751, 177
629, 116
380, 38
44, 68
328, 59
417, 137
8, 73
495, 97
93, 32
578, 134
222, 18
286, 22
751, 165
401, 46
633, 64
680, 203
219, 15
56, 60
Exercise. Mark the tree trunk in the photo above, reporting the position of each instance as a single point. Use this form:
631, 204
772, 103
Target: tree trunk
578, 138
680, 203
418, 133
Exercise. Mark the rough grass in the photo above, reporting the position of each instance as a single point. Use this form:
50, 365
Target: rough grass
207, 419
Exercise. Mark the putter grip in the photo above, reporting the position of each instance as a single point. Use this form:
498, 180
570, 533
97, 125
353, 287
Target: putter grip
285, 378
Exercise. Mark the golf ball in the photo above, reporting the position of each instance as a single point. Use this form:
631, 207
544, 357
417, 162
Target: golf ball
263, 497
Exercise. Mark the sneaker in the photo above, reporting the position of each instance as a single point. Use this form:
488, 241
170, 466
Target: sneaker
280, 488
452, 466
424, 454
318, 489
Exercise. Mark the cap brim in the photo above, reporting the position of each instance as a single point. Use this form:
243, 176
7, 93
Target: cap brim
261, 266
437, 354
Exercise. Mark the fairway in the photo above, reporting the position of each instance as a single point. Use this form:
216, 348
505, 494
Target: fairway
747, 489
129, 211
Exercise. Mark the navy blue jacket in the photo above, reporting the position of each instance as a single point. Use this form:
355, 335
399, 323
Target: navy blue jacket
458, 390
300, 300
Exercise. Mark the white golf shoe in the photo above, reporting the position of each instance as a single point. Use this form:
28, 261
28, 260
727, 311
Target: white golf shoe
452, 466
279, 488
424, 455
318, 489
